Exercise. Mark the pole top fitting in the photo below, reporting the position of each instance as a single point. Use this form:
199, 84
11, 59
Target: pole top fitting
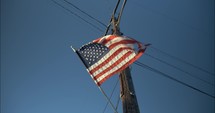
116, 29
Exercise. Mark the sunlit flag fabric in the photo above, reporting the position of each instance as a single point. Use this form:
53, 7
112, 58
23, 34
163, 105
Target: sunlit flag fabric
109, 55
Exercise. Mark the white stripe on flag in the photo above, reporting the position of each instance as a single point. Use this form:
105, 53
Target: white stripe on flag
115, 40
116, 58
109, 54
117, 67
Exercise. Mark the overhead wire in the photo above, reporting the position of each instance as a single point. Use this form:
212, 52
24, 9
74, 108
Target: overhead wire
183, 61
117, 104
166, 16
172, 78
75, 14
120, 14
177, 68
70, 3
114, 11
111, 95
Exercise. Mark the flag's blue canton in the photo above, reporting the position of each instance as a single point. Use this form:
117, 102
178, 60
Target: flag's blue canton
92, 52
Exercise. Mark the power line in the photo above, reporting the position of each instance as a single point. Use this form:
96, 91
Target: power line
101, 23
167, 76
85, 13
114, 11
183, 61
120, 14
179, 69
111, 95
166, 16
77, 15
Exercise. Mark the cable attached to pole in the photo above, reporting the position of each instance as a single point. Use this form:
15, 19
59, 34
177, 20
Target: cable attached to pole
115, 21
108, 99
84, 12
76, 15
167, 76
183, 61
112, 17
120, 14
111, 95
177, 68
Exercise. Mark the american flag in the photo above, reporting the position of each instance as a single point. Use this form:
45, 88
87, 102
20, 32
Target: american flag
109, 55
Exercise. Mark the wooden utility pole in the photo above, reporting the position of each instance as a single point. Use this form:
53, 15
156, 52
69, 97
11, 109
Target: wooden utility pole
128, 96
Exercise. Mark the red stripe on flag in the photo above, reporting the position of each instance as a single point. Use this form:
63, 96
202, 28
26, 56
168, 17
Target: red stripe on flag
113, 65
122, 42
111, 37
96, 40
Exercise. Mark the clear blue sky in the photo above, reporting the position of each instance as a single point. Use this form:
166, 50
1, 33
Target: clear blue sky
41, 74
